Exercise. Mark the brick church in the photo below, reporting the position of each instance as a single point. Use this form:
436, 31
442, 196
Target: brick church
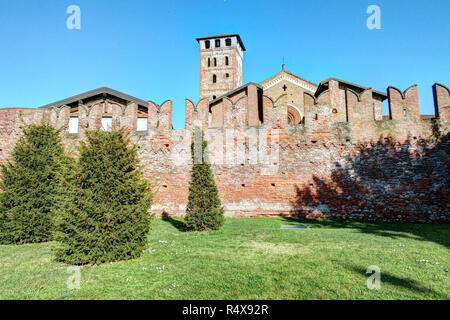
221, 59
308, 130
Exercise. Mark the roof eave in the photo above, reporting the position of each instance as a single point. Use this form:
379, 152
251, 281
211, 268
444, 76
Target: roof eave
323, 82
234, 91
94, 92
224, 36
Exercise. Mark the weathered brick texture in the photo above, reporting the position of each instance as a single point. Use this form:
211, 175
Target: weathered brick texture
404, 104
342, 161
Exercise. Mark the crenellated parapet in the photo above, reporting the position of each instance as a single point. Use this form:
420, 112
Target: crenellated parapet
360, 106
403, 104
441, 95
196, 114
336, 105
159, 117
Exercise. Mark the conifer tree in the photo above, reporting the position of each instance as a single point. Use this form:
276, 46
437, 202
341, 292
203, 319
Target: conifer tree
204, 210
30, 184
105, 215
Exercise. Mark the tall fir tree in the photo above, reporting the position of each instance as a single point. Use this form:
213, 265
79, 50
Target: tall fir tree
204, 210
31, 184
104, 217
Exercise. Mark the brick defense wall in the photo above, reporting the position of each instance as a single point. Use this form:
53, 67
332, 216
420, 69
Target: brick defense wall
357, 169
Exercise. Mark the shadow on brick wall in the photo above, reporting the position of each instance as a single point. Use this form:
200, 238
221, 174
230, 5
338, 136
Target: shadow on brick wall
387, 182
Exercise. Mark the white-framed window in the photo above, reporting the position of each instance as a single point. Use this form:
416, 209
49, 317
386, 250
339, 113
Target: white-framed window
106, 123
141, 124
73, 125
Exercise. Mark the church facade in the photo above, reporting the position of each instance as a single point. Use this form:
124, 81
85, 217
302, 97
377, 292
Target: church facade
277, 146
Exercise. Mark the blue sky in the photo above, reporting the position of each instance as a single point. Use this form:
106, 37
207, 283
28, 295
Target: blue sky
147, 48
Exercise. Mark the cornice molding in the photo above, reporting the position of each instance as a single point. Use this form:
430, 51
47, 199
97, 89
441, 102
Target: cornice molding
297, 82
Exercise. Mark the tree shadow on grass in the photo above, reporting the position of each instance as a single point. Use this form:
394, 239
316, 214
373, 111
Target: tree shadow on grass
400, 282
438, 233
179, 224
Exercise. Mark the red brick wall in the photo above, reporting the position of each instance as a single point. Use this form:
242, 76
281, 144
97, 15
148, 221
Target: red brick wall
323, 167
401, 102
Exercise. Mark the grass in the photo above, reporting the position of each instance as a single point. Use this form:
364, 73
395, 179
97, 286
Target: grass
249, 258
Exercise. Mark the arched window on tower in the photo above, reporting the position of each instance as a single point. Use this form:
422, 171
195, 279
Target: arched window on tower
214, 78
215, 62
209, 62
228, 42
226, 60
207, 44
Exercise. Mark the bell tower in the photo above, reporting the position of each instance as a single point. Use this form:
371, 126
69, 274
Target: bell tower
220, 64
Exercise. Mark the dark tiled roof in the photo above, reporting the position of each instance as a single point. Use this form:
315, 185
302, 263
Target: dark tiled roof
323, 83
102, 90
234, 91
222, 35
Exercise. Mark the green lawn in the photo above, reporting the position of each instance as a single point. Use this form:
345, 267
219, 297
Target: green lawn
250, 258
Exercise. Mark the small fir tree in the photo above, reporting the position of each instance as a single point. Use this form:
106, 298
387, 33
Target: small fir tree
105, 215
204, 210
31, 185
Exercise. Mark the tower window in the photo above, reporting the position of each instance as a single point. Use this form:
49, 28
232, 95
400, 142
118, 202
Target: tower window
214, 78
226, 60
215, 62
209, 62
228, 42
214, 97
218, 43
207, 44
404, 112
227, 75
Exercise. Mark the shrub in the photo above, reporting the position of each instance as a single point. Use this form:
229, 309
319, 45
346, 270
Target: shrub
204, 210
105, 215
31, 181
